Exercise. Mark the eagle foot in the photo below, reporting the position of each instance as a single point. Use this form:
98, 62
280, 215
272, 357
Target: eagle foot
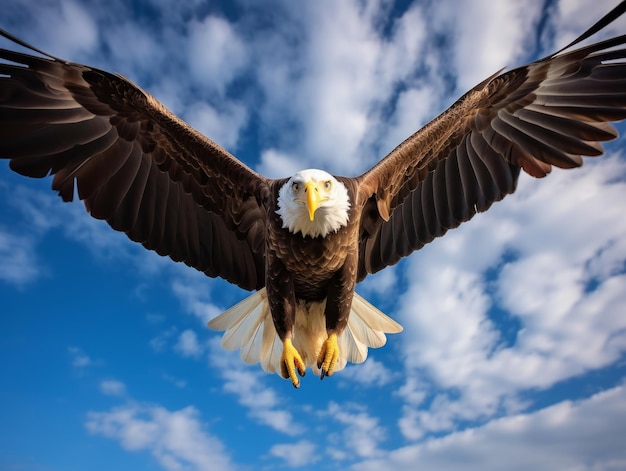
290, 361
328, 356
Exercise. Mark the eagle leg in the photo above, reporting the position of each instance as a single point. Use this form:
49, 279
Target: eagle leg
291, 360
328, 356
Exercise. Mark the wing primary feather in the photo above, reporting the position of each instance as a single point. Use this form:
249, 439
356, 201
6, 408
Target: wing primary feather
106, 161
496, 165
534, 147
108, 200
126, 215
169, 242
469, 182
135, 164
48, 140
584, 130
158, 210
431, 226
457, 202
440, 195
553, 141
24, 122
142, 228
410, 217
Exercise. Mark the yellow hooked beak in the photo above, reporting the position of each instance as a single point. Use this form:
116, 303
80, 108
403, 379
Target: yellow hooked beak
313, 198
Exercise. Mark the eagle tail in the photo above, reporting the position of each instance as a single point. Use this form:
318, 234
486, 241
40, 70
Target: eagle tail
367, 326
249, 327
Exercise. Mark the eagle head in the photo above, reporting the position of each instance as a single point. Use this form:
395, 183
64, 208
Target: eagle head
314, 203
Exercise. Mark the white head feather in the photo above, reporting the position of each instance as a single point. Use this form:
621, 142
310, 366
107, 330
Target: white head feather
332, 211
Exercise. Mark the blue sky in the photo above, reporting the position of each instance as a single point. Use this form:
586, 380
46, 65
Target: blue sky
513, 353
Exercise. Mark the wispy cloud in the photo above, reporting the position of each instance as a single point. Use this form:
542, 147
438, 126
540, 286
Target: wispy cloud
177, 439
352, 68
481, 26
18, 262
371, 373
263, 403
179, 383
246, 383
193, 291
78, 358
539, 263
362, 433
188, 345
112, 387
43, 212
161, 341
216, 53
297, 454
585, 435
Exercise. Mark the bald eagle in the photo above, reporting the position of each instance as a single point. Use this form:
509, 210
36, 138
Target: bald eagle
303, 242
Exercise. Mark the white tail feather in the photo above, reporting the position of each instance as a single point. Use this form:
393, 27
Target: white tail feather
249, 327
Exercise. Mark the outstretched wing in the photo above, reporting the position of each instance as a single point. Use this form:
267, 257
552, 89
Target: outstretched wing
547, 113
135, 164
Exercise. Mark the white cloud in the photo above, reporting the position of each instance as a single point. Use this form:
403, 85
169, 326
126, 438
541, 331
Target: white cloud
542, 244
74, 28
414, 107
223, 126
43, 212
216, 54
192, 289
486, 36
584, 436
177, 439
353, 71
79, 359
330, 89
371, 373
247, 383
188, 345
276, 164
361, 435
160, 342
135, 50
380, 283
570, 18
112, 387
18, 262
296, 454
179, 383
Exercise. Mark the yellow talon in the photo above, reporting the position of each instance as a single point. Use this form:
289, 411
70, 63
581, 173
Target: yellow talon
328, 356
291, 360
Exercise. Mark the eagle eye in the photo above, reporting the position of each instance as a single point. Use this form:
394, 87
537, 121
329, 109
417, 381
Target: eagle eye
295, 187
328, 185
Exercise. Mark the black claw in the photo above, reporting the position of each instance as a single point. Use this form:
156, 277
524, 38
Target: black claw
296, 385
323, 374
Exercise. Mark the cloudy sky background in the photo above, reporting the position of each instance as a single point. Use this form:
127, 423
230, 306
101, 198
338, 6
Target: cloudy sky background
513, 353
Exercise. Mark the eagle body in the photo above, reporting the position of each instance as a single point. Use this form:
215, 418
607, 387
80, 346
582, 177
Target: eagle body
311, 273
313, 262
301, 243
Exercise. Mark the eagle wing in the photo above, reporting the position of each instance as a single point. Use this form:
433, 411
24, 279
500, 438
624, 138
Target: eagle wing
135, 164
547, 113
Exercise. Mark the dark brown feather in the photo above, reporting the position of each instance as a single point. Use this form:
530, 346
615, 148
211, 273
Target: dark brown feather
548, 113
134, 164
